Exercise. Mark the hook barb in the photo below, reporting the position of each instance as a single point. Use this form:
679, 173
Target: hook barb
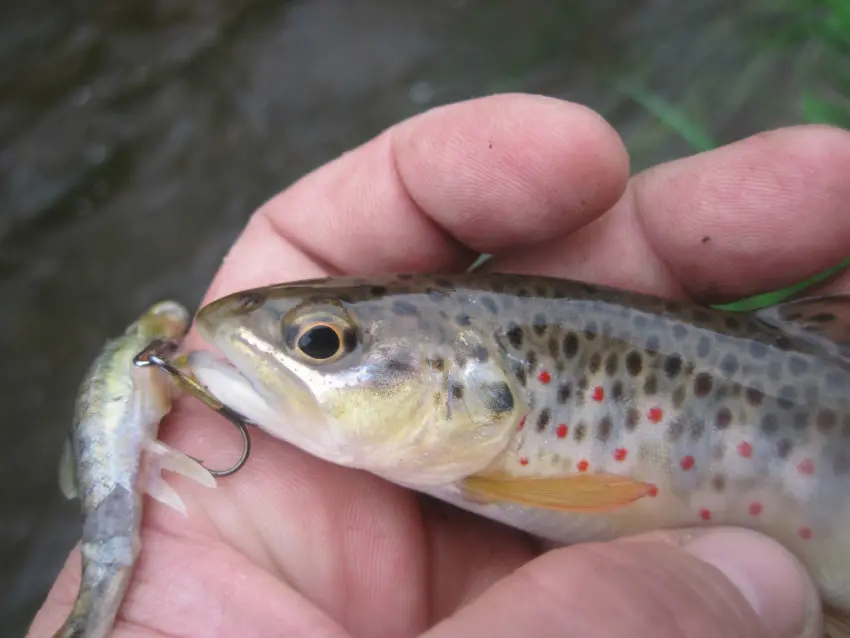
155, 355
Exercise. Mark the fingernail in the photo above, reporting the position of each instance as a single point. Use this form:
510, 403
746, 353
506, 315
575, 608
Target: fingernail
769, 577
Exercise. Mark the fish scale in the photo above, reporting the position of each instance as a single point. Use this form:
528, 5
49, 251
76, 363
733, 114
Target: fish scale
729, 418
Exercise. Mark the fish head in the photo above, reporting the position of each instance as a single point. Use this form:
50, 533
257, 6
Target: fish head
364, 375
166, 319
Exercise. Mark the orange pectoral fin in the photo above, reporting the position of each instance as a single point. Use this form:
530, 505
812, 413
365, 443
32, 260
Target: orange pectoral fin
576, 493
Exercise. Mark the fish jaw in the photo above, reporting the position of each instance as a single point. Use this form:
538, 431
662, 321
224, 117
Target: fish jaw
383, 406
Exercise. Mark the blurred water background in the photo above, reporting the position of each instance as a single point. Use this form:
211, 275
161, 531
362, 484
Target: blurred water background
137, 136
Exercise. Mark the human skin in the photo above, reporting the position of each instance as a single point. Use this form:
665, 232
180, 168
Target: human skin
293, 546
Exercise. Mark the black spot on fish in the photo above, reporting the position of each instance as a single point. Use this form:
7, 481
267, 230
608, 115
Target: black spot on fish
653, 343
702, 384
564, 392
732, 322
570, 345
490, 304
787, 397
437, 363
632, 418
539, 324
718, 482
704, 347
823, 317
591, 330
603, 432
679, 332
349, 339
519, 373
801, 420
755, 396
697, 428
650, 385
729, 364
672, 365
826, 420
579, 431
617, 390
675, 430
783, 448
457, 391
553, 347
798, 366
404, 308
248, 301
515, 336
595, 362
480, 353
499, 398
463, 319
530, 360
634, 363
611, 364
757, 349
769, 423
543, 419
378, 291
723, 419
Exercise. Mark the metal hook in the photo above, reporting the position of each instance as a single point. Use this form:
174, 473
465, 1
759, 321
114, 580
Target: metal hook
155, 355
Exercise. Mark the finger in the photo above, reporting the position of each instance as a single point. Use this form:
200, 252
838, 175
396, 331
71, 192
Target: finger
433, 191
723, 583
760, 214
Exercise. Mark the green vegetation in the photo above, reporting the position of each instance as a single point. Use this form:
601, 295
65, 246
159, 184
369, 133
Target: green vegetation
823, 25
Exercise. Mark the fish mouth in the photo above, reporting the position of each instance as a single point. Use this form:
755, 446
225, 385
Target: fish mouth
251, 380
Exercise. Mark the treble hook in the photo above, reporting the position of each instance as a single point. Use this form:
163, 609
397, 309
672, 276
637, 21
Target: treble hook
155, 355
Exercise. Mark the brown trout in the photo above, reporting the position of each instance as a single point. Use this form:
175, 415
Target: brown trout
113, 458
572, 411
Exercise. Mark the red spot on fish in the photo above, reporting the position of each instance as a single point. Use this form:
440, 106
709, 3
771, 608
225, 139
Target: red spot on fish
745, 450
620, 454
598, 393
653, 491
807, 467
655, 414
755, 509
705, 514
582, 466
544, 377
805, 533
687, 463
562, 430
522, 423
523, 461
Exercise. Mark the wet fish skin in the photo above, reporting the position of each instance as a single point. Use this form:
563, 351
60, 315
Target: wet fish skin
445, 383
112, 458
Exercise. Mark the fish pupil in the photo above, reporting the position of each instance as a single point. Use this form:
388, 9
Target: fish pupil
320, 342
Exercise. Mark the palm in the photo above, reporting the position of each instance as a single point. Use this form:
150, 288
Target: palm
294, 546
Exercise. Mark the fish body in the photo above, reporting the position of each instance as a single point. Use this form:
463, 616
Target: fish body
112, 458
571, 411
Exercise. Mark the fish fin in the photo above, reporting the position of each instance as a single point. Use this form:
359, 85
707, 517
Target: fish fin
161, 491
574, 493
836, 624
167, 458
824, 320
68, 472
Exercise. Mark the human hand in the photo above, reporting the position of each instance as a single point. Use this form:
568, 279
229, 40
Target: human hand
293, 546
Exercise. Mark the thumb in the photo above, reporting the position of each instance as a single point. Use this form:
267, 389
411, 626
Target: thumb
715, 583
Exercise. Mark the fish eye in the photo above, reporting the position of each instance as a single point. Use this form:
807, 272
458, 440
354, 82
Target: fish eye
320, 341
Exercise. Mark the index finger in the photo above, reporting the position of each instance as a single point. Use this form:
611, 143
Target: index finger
432, 192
